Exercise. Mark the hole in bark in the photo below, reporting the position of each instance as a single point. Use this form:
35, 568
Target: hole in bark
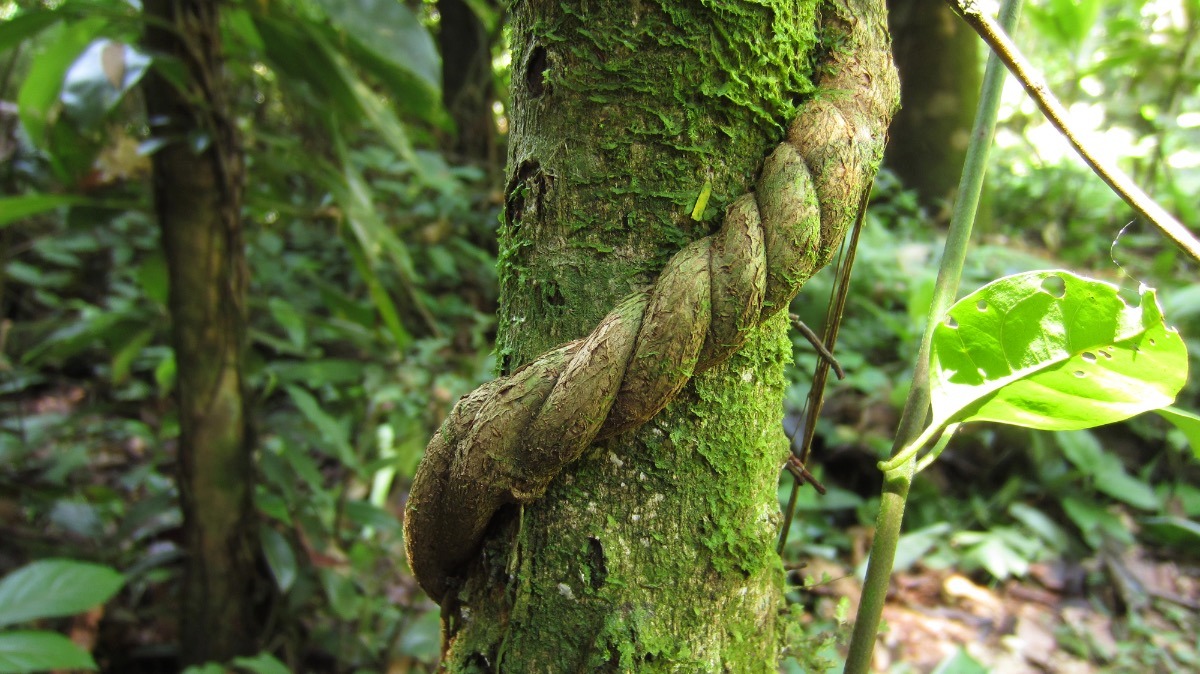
522, 182
535, 72
554, 296
480, 662
596, 562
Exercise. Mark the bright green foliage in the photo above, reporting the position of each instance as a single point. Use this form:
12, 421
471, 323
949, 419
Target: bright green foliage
1053, 351
50, 588
55, 587
40, 651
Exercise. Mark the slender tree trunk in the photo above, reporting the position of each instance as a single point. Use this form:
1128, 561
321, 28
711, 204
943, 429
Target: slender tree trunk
656, 551
467, 87
940, 75
198, 196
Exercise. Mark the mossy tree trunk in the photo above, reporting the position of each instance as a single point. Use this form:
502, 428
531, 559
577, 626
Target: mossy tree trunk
198, 194
938, 56
655, 552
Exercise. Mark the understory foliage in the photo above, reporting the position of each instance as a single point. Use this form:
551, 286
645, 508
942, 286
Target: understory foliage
372, 309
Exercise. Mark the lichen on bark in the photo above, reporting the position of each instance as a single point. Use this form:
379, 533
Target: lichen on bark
653, 551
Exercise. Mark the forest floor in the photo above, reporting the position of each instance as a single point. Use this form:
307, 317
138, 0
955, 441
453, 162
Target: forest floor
1129, 612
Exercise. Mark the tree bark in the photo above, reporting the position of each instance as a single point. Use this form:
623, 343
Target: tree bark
198, 194
940, 75
655, 552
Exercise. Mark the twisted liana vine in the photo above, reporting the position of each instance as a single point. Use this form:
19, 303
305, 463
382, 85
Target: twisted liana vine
506, 441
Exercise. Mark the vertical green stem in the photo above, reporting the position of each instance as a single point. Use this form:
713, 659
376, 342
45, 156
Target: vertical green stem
916, 408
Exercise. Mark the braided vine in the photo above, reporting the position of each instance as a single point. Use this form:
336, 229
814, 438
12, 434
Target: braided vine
506, 441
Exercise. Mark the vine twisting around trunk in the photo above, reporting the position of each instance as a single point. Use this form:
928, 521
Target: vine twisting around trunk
506, 441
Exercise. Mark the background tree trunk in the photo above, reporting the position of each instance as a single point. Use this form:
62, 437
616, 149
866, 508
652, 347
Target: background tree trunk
468, 90
656, 553
939, 61
197, 197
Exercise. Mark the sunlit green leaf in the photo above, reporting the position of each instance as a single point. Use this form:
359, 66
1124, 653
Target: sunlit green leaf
1067, 22
1054, 351
55, 587
42, 84
26, 26
22, 652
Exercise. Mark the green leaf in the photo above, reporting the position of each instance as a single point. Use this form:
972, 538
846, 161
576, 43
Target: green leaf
366, 514
1176, 531
343, 597
300, 50
390, 30
386, 40
44, 81
26, 26
1035, 520
280, 558
122, 358
1053, 351
335, 436
291, 320
1083, 449
206, 668
960, 662
153, 278
22, 652
51, 588
1185, 421
99, 79
263, 663
1003, 551
913, 545
1095, 522
318, 373
422, 640
15, 209
1067, 22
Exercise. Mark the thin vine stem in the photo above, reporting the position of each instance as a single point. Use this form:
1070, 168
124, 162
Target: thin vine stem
916, 409
1034, 83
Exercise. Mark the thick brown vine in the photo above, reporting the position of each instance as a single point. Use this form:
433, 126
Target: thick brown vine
507, 440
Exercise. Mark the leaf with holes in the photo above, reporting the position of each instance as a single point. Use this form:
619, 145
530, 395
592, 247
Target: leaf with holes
1054, 351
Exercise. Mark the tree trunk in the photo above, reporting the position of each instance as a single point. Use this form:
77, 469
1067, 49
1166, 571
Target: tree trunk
654, 549
656, 552
940, 75
197, 195
467, 87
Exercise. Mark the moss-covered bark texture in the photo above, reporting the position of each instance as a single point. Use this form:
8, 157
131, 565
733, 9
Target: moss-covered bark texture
653, 551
